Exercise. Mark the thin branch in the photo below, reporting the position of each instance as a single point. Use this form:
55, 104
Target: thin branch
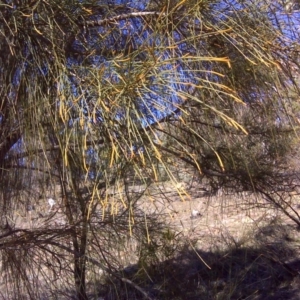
91, 23
98, 264
54, 148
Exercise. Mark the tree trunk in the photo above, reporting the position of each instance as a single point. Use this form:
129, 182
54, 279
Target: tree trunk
79, 276
80, 264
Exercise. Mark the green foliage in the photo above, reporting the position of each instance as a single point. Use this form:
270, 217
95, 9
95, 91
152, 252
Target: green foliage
98, 98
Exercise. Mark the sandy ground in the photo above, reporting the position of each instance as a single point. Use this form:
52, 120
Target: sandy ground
209, 221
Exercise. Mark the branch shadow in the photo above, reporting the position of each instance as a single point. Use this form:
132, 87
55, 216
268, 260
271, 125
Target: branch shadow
267, 270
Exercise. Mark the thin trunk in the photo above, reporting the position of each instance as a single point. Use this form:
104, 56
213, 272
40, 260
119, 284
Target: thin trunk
80, 265
79, 276
79, 238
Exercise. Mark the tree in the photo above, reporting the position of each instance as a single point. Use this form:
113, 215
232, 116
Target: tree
97, 94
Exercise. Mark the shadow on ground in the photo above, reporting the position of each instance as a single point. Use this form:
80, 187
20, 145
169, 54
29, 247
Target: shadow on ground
268, 269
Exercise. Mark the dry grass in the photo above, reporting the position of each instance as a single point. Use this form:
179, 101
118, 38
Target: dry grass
238, 248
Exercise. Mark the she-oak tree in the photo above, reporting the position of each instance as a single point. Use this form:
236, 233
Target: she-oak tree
94, 93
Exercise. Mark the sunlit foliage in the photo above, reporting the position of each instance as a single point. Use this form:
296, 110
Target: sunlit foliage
96, 96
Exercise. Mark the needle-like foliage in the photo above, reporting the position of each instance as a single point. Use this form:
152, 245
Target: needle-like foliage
99, 97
